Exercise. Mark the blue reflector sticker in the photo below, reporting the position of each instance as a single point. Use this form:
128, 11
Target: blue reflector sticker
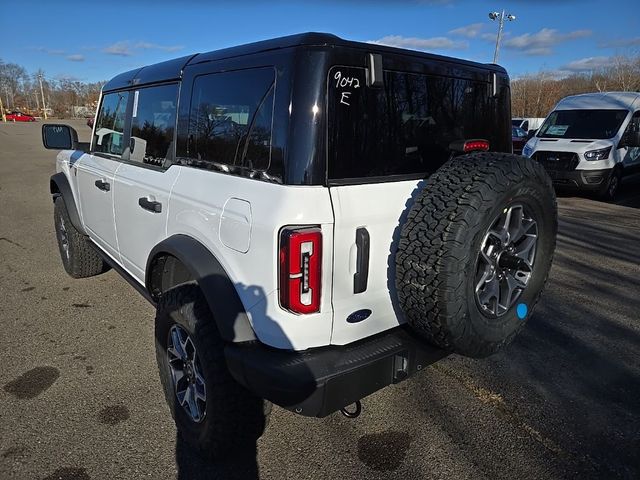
522, 310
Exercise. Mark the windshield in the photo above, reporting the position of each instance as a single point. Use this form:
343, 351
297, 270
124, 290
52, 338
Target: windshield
583, 124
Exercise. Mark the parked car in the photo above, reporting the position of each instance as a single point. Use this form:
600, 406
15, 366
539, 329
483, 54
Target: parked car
20, 117
311, 222
527, 124
519, 138
590, 142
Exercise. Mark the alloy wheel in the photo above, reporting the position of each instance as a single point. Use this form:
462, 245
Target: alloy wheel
505, 261
186, 373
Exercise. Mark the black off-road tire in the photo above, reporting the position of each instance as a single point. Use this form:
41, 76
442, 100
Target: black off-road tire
440, 242
79, 257
234, 418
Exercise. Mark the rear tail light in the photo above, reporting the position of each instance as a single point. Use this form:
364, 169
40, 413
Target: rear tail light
301, 269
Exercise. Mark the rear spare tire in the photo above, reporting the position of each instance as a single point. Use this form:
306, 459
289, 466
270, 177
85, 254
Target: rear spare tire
475, 251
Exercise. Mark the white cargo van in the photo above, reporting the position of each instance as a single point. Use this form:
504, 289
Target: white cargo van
527, 124
590, 141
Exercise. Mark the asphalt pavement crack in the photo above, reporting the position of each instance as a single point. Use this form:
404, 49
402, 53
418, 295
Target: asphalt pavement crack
8, 240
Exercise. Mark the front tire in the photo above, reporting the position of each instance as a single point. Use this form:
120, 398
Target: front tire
612, 186
79, 258
213, 413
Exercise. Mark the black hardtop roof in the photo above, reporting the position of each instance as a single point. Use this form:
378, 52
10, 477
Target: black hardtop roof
172, 69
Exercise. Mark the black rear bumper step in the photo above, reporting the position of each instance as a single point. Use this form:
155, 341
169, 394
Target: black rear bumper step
320, 381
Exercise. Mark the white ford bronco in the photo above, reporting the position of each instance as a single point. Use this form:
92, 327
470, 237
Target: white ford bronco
313, 218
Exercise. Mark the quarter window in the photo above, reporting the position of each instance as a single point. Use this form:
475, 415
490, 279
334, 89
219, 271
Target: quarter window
109, 131
153, 121
230, 121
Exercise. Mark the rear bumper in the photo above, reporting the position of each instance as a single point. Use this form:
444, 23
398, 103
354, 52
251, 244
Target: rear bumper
580, 179
320, 381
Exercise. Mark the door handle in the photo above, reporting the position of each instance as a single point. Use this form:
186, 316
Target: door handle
152, 206
361, 276
102, 185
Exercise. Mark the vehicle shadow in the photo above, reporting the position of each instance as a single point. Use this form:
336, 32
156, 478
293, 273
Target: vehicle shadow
629, 195
573, 375
239, 465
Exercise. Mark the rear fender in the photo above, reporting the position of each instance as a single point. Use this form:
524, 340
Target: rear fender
196, 262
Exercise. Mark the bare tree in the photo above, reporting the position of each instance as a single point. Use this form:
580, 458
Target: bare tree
535, 95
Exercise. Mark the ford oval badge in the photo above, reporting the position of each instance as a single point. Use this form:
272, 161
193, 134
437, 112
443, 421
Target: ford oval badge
359, 316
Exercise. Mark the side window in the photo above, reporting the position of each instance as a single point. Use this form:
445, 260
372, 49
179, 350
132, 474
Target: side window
230, 120
153, 122
525, 126
109, 131
634, 124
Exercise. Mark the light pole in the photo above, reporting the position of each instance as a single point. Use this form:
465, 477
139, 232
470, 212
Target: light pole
44, 107
500, 16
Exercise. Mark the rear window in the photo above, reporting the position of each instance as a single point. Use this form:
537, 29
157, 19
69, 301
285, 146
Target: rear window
404, 128
583, 124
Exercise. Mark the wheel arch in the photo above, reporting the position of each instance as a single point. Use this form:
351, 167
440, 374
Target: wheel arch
59, 187
179, 259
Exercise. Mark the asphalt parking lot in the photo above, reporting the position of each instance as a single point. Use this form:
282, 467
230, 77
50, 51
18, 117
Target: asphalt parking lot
80, 397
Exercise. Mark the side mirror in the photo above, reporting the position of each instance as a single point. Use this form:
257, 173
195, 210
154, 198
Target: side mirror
630, 139
531, 134
59, 137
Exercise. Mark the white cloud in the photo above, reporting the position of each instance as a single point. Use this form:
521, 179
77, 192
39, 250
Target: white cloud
76, 57
470, 31
542, 42
147, 45
435, 43
621, 43
119, 48
588, 64
127, 49
490, 37
48, 51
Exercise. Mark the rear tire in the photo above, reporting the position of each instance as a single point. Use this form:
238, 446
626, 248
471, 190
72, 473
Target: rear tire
230, 418
79, 257
449, 252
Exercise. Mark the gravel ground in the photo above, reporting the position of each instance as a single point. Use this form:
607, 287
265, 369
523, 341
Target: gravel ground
80, 396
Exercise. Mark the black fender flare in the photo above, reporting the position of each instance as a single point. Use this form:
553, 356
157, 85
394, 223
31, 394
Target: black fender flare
59, 186
219, 290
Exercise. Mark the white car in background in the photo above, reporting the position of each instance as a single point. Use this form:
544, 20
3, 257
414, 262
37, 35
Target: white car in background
590, 141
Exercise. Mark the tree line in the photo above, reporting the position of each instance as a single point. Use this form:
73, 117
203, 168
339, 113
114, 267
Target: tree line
535, 95
20, 90
532, 95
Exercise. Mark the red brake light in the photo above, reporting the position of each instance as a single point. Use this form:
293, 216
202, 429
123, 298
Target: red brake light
475, 145
301, 269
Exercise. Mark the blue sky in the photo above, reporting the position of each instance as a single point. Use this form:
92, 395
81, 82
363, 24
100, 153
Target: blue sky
93, 41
